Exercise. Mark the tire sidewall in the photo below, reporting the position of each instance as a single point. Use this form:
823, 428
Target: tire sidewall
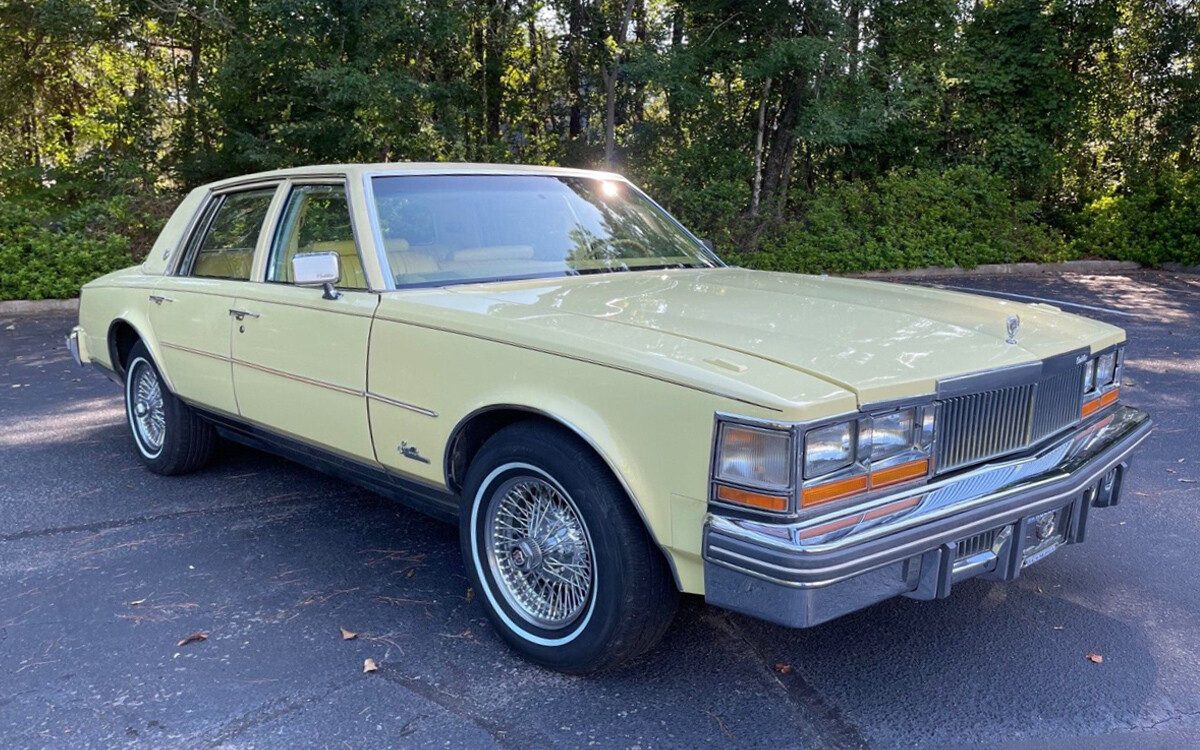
591, 490
140, 357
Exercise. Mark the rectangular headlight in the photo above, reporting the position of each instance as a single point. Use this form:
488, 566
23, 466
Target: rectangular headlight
754, 456
829, 448
1089, 376
892, 434
1106, 367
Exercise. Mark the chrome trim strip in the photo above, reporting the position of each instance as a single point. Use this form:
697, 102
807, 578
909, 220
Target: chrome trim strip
401, 404
308, 381
190, 350
577, 358
299, 378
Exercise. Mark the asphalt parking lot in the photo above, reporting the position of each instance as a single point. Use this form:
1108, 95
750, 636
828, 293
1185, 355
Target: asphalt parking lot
105, 568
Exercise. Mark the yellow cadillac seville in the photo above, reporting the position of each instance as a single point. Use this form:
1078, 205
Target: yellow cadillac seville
611, 414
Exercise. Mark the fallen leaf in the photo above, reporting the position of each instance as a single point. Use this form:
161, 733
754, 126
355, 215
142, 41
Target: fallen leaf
1181, 460
1095, 658
470, 595
411, 572
12, 327
369, 665
136, 602
1172, 471
782, 668
347, 635
1188, 481
193, 638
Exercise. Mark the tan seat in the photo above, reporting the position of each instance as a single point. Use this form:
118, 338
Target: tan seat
223, 264
352, 270
405, 262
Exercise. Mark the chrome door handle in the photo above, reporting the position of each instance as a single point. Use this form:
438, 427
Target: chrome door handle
158, 299
242, 314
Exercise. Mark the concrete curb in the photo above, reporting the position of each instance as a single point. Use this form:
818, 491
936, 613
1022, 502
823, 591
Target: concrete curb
33, 306
1013, 269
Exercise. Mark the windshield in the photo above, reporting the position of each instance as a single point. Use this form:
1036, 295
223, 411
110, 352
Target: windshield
457, 228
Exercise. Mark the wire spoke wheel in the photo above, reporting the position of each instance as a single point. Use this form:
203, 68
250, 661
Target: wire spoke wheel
149, 419
540, 552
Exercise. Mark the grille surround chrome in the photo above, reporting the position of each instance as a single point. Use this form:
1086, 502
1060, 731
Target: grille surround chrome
986, 416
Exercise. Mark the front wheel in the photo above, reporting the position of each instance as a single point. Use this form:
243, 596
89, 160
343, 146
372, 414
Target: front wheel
567, 572
169, 436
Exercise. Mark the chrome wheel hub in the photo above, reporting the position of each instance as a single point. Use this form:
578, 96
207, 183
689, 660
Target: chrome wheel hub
540, 552
149, 420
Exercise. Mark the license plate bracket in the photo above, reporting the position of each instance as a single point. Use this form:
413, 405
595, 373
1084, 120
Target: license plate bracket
1044, 533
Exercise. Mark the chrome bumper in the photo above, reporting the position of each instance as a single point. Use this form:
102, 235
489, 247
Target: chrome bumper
73, 345
919, 542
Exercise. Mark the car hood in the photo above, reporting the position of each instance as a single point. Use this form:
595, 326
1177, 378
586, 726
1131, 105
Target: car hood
877, 340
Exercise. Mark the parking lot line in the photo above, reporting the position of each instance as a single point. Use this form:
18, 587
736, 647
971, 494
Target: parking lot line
1049, 300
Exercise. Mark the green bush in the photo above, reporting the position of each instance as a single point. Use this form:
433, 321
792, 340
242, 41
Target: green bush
1153, 224
60, 231
963, 216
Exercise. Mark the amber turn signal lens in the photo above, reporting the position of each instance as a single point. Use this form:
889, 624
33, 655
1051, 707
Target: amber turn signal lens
835, 490
902, 473
751, 499
1096, 404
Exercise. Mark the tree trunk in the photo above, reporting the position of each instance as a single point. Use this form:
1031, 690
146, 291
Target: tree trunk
609, 74
778, 167
574, 65
760, 132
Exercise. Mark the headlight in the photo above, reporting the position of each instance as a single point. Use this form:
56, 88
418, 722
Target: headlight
1102, 381
892, 434
829, 448
754, 456
1106, 367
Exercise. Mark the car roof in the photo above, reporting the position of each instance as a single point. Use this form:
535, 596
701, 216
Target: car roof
414, 168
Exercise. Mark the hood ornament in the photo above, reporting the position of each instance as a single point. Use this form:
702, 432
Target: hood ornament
1012, 325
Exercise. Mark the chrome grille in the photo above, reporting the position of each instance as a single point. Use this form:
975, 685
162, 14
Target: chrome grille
973, 545
1056, 403
978, 426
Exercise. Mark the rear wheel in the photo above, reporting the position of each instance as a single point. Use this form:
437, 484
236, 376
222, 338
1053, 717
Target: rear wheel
567, 572
169, 436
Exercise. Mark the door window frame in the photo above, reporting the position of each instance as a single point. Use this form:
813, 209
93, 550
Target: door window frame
277, 216
185, 259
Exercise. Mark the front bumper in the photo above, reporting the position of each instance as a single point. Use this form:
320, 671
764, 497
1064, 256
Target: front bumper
921, 541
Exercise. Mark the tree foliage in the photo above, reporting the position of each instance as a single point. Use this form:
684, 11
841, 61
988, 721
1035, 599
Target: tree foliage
801, 134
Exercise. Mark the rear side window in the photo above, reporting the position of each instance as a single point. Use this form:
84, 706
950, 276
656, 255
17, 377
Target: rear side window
224, 246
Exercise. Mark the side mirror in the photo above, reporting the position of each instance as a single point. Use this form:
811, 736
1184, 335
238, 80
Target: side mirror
318, 269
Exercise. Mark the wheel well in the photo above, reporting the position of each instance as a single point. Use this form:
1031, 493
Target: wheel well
477, 428
470, 436
121, 339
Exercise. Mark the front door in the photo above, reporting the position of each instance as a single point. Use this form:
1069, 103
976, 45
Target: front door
190, 311
300, 360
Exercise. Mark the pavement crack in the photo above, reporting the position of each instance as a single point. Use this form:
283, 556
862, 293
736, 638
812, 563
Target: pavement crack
506, 736
138, 520
822, 725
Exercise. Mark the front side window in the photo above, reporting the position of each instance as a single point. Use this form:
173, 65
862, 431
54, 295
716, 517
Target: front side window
225, 248
316, 219
445, 229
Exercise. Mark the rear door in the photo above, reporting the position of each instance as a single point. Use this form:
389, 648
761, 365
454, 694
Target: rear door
300, 360
189, 311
